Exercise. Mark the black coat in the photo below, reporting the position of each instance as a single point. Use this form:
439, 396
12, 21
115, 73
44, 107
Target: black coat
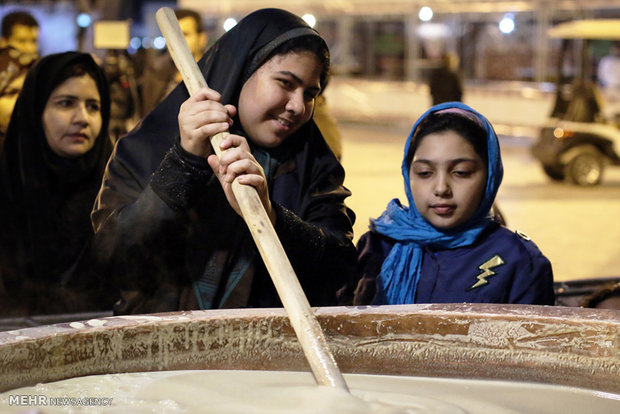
165, 227
445, 85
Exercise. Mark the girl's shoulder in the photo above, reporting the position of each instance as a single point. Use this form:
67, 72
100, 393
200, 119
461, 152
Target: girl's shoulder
515, 242
373, 243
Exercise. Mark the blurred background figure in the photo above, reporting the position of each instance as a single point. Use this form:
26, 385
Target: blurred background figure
21, 31
51, 167
125, 110
445, 82
609, 71
160, 75
327, 124
13, 67
584, 105
193, 31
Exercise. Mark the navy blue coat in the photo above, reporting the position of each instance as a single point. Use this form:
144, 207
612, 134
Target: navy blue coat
500, 267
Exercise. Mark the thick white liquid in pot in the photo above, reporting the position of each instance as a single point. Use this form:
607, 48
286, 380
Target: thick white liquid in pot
272, 392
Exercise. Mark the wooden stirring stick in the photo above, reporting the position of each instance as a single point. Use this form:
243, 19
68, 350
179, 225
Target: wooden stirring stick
302, 318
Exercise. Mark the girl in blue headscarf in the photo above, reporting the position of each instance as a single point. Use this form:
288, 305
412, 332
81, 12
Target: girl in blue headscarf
446, 247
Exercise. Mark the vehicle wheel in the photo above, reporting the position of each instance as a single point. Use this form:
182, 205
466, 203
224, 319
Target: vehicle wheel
586, 168
554, 172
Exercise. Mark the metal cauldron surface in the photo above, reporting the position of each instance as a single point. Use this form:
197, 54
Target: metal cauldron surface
545, 344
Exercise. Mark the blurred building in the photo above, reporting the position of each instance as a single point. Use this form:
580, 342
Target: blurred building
389, 39
378, 39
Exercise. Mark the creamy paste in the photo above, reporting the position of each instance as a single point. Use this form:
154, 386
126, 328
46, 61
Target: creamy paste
272, 392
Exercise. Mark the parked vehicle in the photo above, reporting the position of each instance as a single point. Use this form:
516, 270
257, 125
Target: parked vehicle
582, 136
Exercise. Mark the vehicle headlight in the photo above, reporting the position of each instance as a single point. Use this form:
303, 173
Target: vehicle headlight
561, 133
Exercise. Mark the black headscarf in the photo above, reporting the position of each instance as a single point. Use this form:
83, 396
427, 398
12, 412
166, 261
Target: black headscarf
46, 199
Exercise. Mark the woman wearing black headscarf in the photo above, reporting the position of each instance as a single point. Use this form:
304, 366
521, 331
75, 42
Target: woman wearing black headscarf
50, 171
163, 221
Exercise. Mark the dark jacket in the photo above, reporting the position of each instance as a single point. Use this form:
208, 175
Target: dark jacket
156, 80
445, 85
500, 267
166, 229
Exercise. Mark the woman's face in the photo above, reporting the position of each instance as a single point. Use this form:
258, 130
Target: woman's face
72, 117
447, 179
279, 97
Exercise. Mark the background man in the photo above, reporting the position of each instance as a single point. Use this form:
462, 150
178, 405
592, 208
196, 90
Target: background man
21, 31
18, 51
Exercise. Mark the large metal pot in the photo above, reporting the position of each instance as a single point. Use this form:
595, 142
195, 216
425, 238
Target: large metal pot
553, 345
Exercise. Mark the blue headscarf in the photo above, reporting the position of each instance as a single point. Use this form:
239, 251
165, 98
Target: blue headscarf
400, 272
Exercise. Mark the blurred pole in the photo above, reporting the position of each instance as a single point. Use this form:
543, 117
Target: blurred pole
345, 28
542, 58
83, 6
370, 64
412, 48
81, 38
585, 69
109, 9
452, 41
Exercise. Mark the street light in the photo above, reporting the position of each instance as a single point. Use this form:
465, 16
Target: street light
159, 42
425, 14
507, 24
310, 19
135, 43
83, 20
229, 23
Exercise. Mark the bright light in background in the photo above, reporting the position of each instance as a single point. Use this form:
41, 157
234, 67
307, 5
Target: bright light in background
507, 24
229, 23
310, 19
425, 14
135, 43
147, 42
83, 20
433, 30
159, 42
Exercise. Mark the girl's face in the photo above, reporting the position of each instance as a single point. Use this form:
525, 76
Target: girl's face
72, 117
447, 179
279, 97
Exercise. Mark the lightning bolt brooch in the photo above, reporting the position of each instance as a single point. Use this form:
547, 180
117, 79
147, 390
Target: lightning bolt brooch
486, 271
